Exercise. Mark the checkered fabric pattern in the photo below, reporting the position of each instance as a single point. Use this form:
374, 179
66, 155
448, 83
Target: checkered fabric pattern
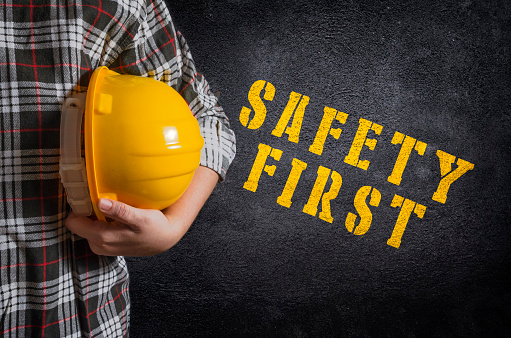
51, 283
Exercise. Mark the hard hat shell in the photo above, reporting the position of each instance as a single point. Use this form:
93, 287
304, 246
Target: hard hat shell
142, 143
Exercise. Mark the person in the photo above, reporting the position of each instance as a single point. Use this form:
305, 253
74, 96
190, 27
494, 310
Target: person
64, 275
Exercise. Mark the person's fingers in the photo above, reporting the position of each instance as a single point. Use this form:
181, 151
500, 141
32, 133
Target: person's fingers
103, 237
81, 226
122, 212
134, 232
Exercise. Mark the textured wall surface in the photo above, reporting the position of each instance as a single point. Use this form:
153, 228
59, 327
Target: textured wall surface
436, 71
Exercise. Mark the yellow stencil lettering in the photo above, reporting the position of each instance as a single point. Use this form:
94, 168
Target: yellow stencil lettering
311, 207
407, 206
292, 181
360, 140
260, 165
258, 105
325, 129
449, 175
408, 144
366, 217
293, 131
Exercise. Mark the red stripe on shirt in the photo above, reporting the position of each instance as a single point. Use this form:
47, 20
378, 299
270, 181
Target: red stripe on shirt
39, 116
69, 5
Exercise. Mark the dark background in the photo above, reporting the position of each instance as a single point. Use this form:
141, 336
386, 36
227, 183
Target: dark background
437, 71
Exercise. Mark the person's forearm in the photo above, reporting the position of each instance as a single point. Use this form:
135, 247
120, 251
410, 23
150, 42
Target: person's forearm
144, 232
183, 212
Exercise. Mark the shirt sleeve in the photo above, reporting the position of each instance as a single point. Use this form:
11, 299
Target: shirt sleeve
155, 49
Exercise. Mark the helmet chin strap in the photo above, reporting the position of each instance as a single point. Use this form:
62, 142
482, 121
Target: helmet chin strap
72, 170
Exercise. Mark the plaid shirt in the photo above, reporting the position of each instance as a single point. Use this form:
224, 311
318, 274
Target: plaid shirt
51, 283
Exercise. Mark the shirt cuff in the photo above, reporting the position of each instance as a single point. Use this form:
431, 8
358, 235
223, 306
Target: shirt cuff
219, 145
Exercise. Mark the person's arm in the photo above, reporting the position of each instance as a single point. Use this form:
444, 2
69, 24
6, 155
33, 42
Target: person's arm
151, 47
143, 232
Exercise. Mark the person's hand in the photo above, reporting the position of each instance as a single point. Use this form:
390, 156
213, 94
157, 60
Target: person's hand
134, 232
144, 232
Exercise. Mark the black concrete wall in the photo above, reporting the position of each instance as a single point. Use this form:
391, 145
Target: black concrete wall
436, 71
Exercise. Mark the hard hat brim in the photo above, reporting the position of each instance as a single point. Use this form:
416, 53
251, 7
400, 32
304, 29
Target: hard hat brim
97, 77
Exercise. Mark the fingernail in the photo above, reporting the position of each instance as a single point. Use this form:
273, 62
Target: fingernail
105, 204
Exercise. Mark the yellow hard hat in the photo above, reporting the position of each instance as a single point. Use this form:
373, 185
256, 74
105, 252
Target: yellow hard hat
142, 144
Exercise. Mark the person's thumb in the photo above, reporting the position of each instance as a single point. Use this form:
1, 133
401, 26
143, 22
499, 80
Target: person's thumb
119, 211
